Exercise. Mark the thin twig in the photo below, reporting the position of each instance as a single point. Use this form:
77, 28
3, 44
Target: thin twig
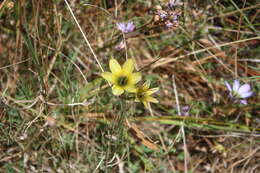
182, 126
11, 65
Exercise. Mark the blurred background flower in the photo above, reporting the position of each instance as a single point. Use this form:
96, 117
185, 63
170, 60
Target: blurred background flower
238, 92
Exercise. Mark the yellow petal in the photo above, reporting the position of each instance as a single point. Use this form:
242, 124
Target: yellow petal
117, 90
135, 77
130, 88
152, 90
128, 66
137, 100
153, 100
146, 85
114, 66
108, 76
145, 103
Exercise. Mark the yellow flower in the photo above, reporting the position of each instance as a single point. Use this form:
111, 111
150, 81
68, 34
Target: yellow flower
143, 94
122, 78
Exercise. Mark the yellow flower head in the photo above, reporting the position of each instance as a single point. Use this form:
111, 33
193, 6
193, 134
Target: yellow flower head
143, 94
122, 78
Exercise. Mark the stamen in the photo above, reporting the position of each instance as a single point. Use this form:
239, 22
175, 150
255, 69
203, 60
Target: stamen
140, 94
122, 81
236, 94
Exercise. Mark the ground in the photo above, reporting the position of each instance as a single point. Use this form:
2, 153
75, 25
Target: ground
58, 114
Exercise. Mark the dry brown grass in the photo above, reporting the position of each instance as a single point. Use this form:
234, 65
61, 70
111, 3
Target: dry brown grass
57, 115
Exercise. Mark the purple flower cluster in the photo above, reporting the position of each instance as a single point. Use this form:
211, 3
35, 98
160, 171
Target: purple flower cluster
126, 27
173, 3
167, 15
239, 93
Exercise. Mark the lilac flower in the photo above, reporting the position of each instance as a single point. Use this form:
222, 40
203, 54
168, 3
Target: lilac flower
173, 3
120, 46
175, 17
126, 27
169, 24
162, 14
185, 110
239, 92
